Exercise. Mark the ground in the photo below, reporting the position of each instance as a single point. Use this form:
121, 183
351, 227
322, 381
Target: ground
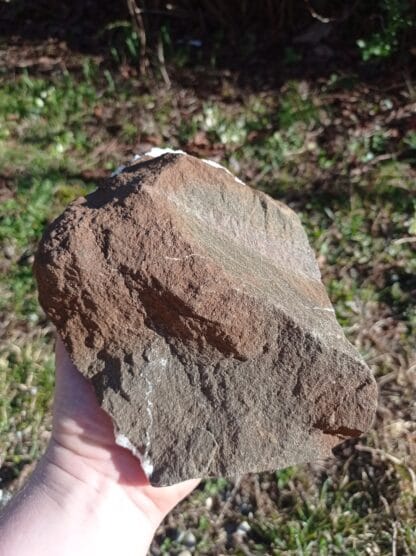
340, 149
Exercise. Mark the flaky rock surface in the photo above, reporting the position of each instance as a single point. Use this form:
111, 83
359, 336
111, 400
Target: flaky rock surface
194, 305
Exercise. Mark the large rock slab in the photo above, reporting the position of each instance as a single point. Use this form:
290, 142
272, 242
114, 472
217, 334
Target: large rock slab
194, 305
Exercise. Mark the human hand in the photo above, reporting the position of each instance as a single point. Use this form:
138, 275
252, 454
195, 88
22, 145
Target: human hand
92, 495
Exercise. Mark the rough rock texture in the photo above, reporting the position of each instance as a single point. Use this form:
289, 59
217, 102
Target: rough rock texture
194, 304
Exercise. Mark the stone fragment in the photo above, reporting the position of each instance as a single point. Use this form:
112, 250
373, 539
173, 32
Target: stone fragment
187, 538
194, 305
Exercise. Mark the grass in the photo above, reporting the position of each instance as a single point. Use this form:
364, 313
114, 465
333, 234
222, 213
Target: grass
344, 158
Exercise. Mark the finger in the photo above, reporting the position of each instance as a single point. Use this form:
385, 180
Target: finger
167, 497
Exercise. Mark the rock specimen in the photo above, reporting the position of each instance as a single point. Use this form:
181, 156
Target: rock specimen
194, 305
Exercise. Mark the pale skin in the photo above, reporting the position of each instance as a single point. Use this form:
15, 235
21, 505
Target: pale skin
87, 495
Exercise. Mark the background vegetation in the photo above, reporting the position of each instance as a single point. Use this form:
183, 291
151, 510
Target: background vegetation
313, 102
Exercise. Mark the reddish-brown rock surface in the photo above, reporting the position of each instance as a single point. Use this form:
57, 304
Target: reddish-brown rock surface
194, 305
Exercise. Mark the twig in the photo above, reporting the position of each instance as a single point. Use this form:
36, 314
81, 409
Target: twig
257, 494
386, 456
394, 540
317, 16
385, 379
381, 453
138, 24
381, 158
322, 19
224, 509
228, 502
162, 63
404, 240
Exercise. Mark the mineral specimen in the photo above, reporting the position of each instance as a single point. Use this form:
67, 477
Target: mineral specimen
194, 305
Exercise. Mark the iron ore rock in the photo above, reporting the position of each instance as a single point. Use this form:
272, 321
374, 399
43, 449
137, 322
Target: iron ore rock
194, 305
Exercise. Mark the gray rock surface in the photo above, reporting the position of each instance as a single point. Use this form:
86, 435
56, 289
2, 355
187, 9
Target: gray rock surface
194, 305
